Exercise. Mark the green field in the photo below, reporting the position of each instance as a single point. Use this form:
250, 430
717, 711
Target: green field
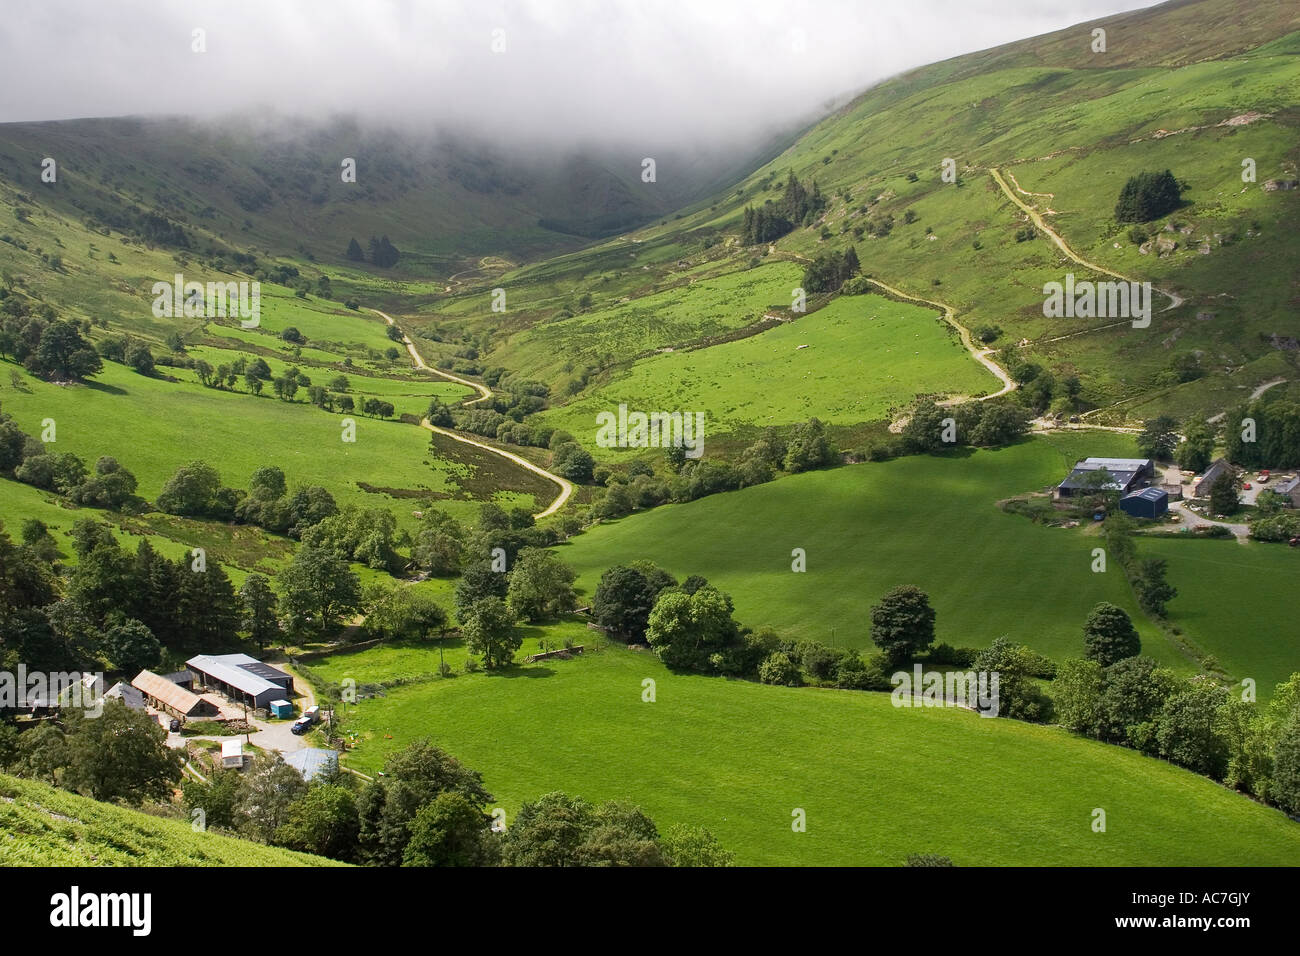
932, 522
877, 783
685, 313
153, 427
44, 826
1235, 602
852, 361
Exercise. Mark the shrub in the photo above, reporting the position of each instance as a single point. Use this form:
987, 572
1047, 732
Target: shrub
777, 668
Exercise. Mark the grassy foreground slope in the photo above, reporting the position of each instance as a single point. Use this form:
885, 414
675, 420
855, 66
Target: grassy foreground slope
44, 826
875, 781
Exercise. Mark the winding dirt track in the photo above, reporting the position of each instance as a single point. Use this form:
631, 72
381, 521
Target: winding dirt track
1174, 300
949, 316
980, 355
566, 489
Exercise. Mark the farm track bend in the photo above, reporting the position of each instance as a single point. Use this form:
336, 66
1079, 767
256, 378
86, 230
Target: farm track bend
1037, 219
950, 316
485, 393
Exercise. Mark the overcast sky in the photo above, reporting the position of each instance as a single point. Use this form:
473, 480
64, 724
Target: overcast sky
701, 70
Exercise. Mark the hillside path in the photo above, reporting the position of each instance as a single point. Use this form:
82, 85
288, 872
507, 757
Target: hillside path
1037, 219
566, 488
950, 316
980, 355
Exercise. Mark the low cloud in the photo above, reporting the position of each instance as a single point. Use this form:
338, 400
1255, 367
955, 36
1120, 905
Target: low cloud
688, 72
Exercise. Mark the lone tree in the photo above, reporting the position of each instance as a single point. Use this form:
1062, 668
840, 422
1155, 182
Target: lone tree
1159, 438
623, 601
1153, 590
259, 605
489, 629
902, 624
1223, 494
1109, 635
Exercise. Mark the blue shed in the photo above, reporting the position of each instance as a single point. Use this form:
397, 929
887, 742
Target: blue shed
1147, 503
281, 708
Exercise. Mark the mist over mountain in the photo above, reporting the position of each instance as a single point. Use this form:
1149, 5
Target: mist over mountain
720, 75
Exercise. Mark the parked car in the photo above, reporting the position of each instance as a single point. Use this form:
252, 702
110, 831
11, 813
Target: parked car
175, 725
301, 726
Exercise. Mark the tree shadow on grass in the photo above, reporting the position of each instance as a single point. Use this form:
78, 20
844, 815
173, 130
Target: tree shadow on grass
105, 387
522, 670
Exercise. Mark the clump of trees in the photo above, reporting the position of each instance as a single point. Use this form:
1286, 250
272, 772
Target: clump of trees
110, 486
798, 205
113, 609
1159, 438
383, 253
1196, 723
52, 348
828, 272
119, 756
429, 809
990, 424
1148, 196
1276, 434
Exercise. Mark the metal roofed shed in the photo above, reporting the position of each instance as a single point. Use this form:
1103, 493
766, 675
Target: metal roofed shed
166, 696
1126, 474
1147, 503
281, 708
241, 678
312, 761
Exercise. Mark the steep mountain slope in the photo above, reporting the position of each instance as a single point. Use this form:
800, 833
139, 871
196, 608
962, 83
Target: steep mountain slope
278, 184
1194, 87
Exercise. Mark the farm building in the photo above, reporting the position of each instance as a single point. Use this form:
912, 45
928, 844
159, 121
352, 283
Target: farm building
281, 708
127, 694
181, 679
1210, 477
232, 754
1147, 503
1126, 474
241, 678
166, 696
1289, 488
312, 761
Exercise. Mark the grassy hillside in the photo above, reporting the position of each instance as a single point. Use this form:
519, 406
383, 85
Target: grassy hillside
857, 359
277, 182
932, 522
1193, 87
43, 826
876, 782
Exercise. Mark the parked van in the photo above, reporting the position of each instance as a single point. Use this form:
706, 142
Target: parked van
301, 726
